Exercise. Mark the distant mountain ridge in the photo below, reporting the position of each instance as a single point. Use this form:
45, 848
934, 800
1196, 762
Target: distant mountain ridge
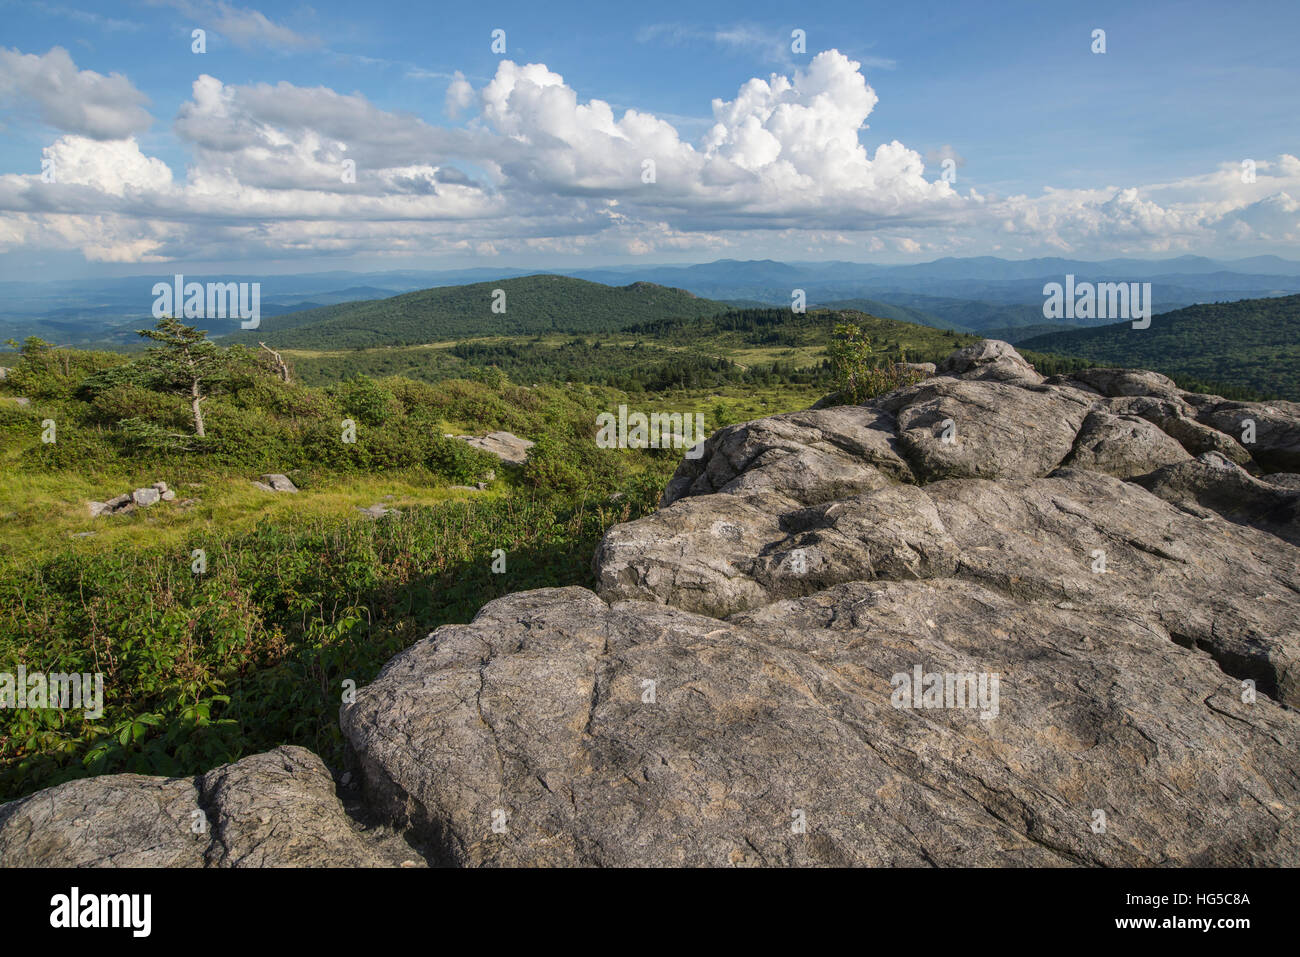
524, 306
978, 293
1253, 343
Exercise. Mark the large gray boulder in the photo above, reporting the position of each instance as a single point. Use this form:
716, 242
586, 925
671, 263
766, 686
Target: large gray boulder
559, 729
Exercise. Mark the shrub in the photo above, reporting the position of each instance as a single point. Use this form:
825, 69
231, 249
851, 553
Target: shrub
365, 400
458, 462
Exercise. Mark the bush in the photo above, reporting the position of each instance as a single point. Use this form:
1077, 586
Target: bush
364, 399
129, 400
457, 461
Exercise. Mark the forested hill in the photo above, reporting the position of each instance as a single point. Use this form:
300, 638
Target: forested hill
533, 304
1251, 343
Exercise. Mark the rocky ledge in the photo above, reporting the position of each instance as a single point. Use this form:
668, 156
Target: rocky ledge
990, 618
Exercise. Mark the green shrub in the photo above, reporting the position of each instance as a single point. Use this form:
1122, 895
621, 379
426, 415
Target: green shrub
457, 461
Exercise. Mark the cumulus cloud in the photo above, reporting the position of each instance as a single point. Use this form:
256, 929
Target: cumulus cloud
785, 152
282, 171
460, 95
76, 101
1275, 217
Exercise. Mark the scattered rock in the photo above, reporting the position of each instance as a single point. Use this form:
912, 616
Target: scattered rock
274, 482
144, 497
377, 511
16, 399
130, 501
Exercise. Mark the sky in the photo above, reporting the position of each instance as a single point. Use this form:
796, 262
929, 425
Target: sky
370, 136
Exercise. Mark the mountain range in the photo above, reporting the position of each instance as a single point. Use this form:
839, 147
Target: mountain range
979, 294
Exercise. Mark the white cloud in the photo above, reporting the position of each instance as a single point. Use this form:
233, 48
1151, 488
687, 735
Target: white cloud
115, 167
784, 152
245, 27
784, 164
76, 101
460, 95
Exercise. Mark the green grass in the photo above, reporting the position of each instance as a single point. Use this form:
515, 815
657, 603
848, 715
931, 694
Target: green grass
299, 595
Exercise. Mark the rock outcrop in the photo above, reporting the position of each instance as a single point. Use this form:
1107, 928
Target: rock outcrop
506, 446
276, 809
989, 619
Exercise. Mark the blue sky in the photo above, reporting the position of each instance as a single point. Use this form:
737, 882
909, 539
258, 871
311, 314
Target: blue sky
469, 156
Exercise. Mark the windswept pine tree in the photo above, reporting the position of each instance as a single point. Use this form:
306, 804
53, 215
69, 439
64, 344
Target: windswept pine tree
185, 362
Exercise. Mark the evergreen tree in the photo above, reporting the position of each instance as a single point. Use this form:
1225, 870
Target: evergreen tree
184, 362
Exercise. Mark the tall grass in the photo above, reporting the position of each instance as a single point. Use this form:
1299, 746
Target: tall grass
204, 668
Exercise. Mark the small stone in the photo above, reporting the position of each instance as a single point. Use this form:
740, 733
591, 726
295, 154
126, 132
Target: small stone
144, 497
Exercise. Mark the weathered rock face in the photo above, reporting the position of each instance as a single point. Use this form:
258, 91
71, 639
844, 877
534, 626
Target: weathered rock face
990, 618
506, 446
270, 810
538, 717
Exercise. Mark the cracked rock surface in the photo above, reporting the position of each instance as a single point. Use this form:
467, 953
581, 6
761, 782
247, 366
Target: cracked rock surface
276, 809
1101, 570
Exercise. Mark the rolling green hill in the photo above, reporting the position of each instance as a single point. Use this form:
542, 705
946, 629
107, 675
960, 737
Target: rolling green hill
887, 311
1251, 344
533, 304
